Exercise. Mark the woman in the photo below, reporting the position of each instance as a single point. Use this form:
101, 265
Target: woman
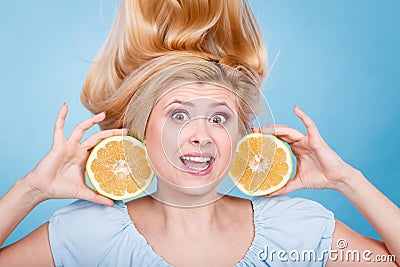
147, 231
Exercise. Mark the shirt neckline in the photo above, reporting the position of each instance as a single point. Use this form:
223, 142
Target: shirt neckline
252, 250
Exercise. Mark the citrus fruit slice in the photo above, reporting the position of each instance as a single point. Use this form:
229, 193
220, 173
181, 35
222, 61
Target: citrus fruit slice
118, 167
262, 164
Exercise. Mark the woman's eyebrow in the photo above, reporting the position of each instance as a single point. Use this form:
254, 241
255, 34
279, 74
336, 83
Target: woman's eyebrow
216, 104
190, 104
181, 103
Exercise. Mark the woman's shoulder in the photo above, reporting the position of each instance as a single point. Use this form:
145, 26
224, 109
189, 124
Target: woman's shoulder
84, 228
278, 206
284, 204
291, 214
86, 220
285, 223
290, 224
86, 211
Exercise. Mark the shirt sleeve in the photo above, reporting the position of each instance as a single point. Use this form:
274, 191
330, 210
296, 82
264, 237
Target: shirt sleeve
81, 233
301, 228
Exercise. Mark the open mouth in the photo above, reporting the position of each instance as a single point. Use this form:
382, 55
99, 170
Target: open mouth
197, 163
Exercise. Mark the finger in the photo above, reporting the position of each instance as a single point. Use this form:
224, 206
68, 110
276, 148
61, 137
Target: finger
93, 140
59, 125
272, 126
80, 130
93, 196
308, 122
283, 132
292, 185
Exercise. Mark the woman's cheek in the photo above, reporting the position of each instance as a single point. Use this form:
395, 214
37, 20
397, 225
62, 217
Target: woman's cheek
226, 144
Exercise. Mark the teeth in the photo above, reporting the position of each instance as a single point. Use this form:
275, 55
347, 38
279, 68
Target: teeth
200, 169
196, 159
205, 160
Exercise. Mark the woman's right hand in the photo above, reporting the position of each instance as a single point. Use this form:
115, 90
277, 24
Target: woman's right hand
61, 173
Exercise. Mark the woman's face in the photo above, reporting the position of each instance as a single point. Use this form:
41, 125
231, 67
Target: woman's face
191, 135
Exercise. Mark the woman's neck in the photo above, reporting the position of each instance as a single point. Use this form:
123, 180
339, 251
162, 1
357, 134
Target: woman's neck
191, 213
179, 234
191, 220
177, 196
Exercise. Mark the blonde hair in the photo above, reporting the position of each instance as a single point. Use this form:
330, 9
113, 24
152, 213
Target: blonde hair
144, 31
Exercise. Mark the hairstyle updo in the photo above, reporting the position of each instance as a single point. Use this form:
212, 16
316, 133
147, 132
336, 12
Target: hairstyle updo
152, 41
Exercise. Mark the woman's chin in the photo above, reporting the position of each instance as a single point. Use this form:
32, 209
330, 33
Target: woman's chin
183, 177
202, 181
195, 185
189, 190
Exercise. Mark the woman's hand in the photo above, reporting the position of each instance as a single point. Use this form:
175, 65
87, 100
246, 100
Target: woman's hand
318, 166
61, 173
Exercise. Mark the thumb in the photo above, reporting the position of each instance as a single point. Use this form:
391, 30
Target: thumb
92, 196
293, 185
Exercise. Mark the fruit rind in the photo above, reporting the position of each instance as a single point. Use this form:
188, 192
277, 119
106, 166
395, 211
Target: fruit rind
93, 155
280, 144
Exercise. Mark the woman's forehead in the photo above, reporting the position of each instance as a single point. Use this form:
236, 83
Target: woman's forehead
200, 93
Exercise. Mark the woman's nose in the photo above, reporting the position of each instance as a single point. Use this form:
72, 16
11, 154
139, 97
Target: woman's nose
199, 132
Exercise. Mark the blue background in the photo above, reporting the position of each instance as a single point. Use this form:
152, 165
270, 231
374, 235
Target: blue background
338, 60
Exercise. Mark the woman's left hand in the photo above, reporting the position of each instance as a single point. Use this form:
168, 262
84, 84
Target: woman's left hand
318, 166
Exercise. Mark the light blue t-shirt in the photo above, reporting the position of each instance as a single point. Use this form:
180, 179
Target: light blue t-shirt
288, 232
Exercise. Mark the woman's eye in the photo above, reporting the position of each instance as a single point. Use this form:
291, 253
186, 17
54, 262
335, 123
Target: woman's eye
217, 119
180, 116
